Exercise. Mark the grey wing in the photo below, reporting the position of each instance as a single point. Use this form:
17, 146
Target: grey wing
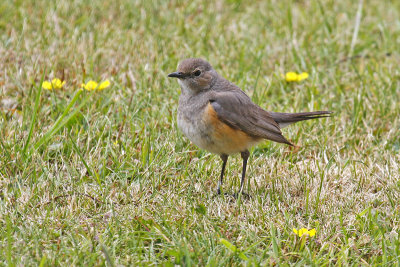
237, 110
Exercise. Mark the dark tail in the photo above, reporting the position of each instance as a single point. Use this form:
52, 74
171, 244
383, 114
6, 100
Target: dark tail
284, 119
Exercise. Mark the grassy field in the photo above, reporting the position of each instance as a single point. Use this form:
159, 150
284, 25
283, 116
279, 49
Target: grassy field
106, 178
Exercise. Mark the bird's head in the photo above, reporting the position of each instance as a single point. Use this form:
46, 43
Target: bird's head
194, 74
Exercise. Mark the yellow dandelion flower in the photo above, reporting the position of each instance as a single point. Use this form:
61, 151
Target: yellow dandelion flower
47, 85
291, 76
294, 77
304, 231
104, 85
312, 232
302, 76
54, 84
57, 83
90, 85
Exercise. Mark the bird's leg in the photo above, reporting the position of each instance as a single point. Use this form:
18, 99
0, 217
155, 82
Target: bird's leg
245, 155
224, 160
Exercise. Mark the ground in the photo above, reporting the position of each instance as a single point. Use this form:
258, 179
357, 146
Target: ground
104, 177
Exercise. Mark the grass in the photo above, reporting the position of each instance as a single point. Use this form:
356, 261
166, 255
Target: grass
106, 178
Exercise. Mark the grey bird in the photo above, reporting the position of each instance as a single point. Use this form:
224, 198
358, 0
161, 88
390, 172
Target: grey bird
216, 115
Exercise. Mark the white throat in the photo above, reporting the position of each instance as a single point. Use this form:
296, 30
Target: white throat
185, 88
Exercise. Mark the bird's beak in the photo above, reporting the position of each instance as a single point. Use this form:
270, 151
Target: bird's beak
176, 74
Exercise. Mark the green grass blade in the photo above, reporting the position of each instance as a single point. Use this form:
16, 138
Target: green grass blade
37, 101
228, 245
9, 243
60, 122
90, 171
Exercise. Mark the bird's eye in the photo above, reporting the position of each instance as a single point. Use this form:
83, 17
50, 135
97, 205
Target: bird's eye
197, 73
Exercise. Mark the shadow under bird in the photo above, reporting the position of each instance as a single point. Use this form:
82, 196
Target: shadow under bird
216, 115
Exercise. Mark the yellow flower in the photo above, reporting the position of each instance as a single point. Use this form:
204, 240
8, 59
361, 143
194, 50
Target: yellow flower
302, 76
47, 85
92, 85
104, 85
291, 76
54, 84
312, 232
304, 231
294, 77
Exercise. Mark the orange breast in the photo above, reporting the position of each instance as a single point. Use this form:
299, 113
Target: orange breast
225, 137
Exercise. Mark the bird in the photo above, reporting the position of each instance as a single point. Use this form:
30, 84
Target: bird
218, 116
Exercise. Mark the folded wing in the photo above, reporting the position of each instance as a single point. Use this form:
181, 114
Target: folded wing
237, 110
